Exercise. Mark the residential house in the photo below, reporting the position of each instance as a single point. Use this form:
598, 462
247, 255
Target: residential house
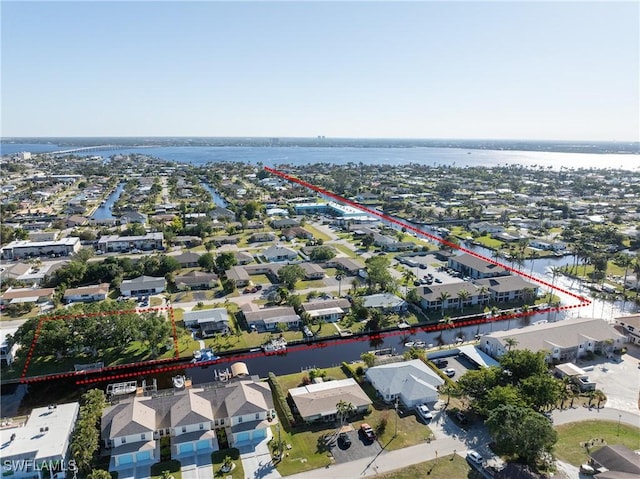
26, 295
432, 296
20, 249
312, 271
345, 265
284, 223
226, 239
261, 237
187, 241
548, 245
279, 253
475, 267
143, 285
565, 340
87, 294
385, 302
188, 259
630, 326
8, 348
132, 428
220, 213
509, 288
196, 280
209, 321
317, 402
43, 235
615, 462
42, 440
296, 232
269, 318
75, 220
486, 227
238, 275
243, 258
330, 310
411, 382
133, 217
119, 244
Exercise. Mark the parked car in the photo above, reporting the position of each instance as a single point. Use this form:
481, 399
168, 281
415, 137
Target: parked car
441, 363
424, 412
438, 280
307, 332
344, 439
367, 431
422, 266
475, 458
450, 372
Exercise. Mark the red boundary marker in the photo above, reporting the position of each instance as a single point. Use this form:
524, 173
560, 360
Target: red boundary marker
24, 379
582, 300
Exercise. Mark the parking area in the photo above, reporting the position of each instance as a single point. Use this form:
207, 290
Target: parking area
359, 448
613, 377
456, 363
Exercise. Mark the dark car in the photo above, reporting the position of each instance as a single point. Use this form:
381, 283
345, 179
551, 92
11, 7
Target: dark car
441, 363
344, 440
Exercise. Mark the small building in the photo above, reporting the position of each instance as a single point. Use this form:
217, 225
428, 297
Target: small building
384, 302
312, 271
196, 280
209, 321
475, 267
87, 294
42, 440
261, 237
269, 318
630, 326
20, 249
331, 310
576, 375
412, 382
133, 217
119, 244
143, 285
296, 232
317, 402
509, 288
615, 462
566, 340
8, 348
187, 259
345, 265
275, 254
26, 295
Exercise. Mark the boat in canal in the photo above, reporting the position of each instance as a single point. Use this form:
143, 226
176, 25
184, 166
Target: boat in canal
122, 389
278, 345
203, 355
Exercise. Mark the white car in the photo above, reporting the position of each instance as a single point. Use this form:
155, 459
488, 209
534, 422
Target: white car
475, 458
450, 372
424, 412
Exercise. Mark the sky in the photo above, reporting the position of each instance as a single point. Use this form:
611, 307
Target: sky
490, 70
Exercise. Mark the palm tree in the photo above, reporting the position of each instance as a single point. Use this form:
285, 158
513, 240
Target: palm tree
510, 342
344, 410
482, 294
408, 276
534, 255
555, 272
442, 297
599, 396
463, 295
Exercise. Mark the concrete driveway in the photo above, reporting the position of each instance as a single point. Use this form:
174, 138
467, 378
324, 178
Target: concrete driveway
196, 466
142, 471
618, 378
256, 460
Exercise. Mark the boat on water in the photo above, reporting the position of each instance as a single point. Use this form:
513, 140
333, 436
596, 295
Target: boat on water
415, 344
205, 354
122, 389
278, 345
178, 381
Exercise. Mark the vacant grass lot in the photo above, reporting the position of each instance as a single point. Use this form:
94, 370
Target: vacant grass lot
317, 234
447, 467
571, 438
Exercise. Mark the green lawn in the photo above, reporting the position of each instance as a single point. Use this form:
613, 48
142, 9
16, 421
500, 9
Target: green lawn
260, 279
294, 380
307, 449
447, 467
345, 249
572, 437
317, 234
172, 466
313, 283
217, 459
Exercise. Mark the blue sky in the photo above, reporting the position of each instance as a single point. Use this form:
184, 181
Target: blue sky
512, 70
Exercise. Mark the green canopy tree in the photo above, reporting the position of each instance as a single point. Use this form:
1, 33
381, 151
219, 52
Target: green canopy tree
290, 274
521, 433
378, 271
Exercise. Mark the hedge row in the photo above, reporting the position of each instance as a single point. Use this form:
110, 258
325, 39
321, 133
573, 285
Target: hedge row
447, 379
349, 371
281, 398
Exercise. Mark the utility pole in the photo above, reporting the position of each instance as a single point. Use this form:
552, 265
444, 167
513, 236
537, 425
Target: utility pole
396, 408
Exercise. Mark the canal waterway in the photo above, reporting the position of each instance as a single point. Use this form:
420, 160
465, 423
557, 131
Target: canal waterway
105, 210
215, 196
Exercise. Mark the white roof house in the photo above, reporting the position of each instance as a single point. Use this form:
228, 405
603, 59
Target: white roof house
44, 437
143, 285
412, 382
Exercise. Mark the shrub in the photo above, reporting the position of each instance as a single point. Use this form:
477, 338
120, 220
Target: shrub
281, 398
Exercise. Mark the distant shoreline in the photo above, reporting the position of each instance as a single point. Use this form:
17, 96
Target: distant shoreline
596, 147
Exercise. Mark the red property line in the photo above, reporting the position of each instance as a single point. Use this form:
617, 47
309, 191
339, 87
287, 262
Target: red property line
582, 300
43, 319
